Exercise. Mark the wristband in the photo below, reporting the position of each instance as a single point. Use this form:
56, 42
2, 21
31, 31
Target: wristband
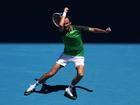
64, 14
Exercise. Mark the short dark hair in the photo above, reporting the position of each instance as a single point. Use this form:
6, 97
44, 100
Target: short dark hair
69, 17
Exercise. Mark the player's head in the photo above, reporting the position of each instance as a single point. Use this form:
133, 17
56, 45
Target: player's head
67, 22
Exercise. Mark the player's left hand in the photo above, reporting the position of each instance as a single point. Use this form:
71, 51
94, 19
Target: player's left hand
108, 30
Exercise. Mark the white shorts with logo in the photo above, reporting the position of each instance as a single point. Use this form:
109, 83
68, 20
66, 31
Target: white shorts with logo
65, 59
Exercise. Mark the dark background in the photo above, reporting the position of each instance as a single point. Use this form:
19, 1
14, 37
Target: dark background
30, 21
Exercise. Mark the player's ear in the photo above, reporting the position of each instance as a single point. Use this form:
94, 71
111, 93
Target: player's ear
70, 21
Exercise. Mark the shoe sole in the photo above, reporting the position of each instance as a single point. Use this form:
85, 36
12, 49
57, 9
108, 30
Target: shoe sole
28, 93
71, 97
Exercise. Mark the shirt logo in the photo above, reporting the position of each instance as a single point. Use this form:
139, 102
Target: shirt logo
73, 34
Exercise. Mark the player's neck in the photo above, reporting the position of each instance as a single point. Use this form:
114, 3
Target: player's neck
70, 28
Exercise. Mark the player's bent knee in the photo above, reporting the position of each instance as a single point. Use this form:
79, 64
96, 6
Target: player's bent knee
51, 73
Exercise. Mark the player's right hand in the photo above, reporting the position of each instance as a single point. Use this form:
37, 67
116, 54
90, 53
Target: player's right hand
66, 9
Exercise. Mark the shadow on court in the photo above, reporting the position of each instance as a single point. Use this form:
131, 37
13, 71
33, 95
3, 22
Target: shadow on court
47, 89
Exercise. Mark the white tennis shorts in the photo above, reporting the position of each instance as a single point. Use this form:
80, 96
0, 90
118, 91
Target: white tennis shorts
65, 59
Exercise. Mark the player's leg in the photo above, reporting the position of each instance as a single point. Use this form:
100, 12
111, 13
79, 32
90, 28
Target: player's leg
43, 78
79, 65
49, 74
79, 76
61, 62
76, 80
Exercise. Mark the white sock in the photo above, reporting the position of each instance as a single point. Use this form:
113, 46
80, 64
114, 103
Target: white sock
36, 84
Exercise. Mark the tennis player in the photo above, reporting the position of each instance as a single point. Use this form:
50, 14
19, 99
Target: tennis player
73, 52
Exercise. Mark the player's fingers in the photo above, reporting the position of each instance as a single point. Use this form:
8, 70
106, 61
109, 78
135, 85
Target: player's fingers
108, 29
66, 9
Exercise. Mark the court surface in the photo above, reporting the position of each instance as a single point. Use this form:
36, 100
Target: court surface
112, 75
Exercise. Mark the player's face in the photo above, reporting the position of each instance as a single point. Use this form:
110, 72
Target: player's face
67, 23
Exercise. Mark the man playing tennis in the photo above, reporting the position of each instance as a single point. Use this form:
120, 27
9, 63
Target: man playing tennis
73, 52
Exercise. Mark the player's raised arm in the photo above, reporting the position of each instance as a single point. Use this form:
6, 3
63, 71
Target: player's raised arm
98, 30
61, 24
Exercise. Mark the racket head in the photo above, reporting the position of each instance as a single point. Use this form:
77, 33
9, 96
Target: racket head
56, 18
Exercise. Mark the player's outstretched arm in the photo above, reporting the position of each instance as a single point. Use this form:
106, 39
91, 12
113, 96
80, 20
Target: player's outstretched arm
98, 30
61, 24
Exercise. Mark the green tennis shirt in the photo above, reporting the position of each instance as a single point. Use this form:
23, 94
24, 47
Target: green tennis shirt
73, 44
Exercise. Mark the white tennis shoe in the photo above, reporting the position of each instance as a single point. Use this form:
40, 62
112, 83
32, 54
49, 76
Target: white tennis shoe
69, 91
30, 90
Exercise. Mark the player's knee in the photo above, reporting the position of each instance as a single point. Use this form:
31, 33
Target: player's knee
51, 73
80, 71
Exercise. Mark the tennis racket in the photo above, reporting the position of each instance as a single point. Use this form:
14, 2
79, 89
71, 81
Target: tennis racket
56, 18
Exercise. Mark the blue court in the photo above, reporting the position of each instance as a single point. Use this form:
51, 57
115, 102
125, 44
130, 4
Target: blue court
112, 72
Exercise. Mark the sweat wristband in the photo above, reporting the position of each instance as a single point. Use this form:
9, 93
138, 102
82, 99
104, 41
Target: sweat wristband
64, 14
